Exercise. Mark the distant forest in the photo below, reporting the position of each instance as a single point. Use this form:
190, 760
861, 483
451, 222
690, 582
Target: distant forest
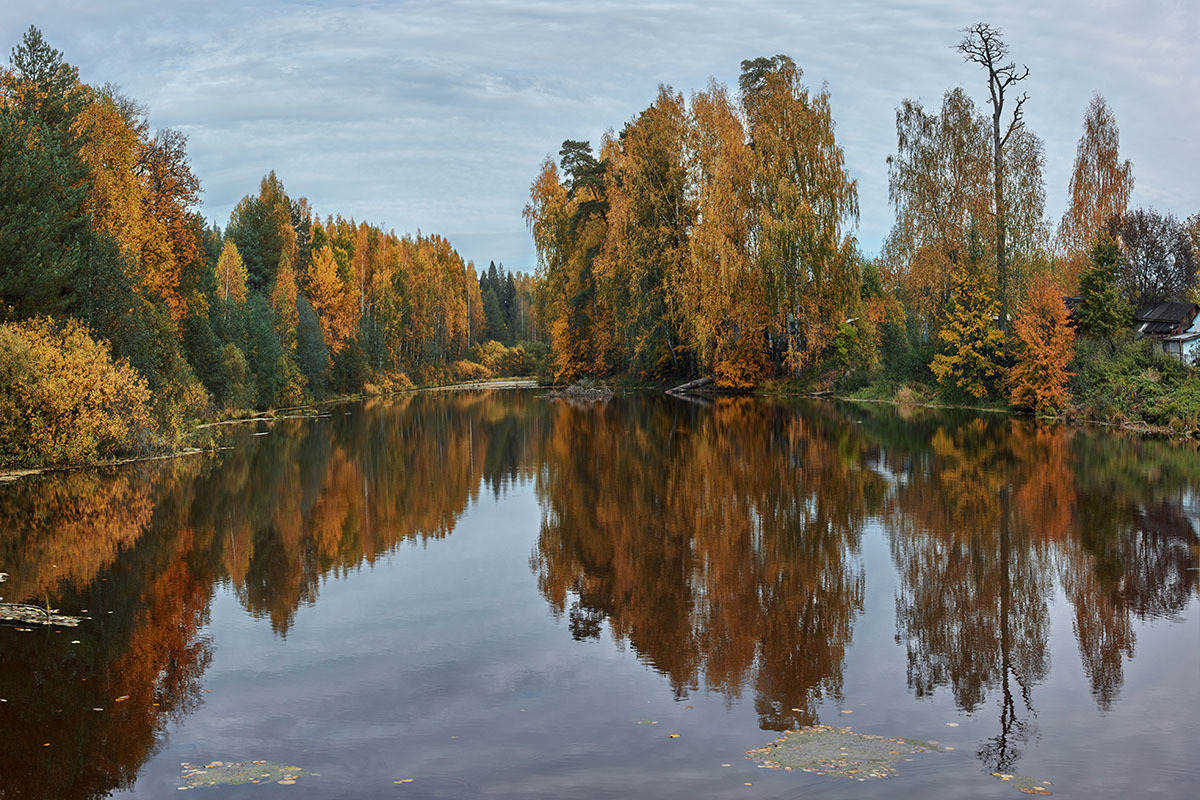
125, 317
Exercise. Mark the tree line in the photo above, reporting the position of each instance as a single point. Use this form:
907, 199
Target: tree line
123, 314
715, 237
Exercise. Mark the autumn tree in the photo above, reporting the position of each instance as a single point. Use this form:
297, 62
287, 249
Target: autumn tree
650, 217
1099, 192
973, 345
333, 299
1045, 345
938, 182
983, 45
231, 275
724, 303
804, 200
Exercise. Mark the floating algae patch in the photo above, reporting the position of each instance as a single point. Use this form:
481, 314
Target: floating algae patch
838, 751
236, 773
35, 615
1025, 783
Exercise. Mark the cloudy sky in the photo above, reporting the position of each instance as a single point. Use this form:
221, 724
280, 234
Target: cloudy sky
436, 115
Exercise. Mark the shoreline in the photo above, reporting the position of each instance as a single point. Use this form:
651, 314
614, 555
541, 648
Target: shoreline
13, 474
297, 412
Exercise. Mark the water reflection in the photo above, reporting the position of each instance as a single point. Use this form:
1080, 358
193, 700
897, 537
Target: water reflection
720, 542
142, 548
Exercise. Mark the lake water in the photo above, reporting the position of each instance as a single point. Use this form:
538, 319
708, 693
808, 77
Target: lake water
493, 594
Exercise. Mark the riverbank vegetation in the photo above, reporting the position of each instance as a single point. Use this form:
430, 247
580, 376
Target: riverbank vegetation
714, 236
125, 317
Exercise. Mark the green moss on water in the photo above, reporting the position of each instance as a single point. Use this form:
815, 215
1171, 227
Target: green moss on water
237, 773
827, 750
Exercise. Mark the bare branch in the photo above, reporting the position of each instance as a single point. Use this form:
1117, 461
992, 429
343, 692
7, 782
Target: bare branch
1017, 121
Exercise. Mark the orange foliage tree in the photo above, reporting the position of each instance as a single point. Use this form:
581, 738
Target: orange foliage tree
1099, 192
1045, 344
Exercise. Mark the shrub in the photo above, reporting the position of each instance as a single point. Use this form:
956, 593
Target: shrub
470, 371
1135, 381
63, 400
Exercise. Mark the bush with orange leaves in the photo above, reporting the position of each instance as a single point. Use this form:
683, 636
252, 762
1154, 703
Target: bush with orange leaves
1045, 344
63, 400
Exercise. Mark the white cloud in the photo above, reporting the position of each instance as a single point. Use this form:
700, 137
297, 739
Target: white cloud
435, 115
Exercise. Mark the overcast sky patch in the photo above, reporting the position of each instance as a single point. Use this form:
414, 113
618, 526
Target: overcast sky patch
436, 115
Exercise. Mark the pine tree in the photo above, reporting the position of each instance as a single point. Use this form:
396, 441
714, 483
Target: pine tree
1103, 311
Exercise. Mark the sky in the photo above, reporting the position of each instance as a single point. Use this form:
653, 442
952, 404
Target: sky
435, 116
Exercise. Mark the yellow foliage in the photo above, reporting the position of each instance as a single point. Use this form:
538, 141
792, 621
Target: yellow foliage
332, 299
63, 399
231, 274
974, 343
470, 371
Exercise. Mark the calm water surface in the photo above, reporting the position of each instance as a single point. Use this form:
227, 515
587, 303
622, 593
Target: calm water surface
493, 594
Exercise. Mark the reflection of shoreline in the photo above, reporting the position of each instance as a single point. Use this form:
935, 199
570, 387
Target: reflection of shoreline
720, 542
12, 475
143, 546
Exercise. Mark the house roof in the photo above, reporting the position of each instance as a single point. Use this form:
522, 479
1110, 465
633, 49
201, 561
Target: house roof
1164, 319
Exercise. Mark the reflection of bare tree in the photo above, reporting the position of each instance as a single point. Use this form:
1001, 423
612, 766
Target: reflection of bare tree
975, 576
977, 522
719, 542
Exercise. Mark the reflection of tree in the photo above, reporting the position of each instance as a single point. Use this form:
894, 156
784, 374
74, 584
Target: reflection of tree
149, 542
1133, 554
68, 527
975, 575
149, 648
720, 543
316, 498
981, 515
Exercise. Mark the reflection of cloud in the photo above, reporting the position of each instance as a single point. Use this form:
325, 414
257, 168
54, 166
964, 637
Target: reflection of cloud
434, 115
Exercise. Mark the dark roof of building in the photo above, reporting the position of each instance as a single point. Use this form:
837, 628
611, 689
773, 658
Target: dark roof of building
1164, 319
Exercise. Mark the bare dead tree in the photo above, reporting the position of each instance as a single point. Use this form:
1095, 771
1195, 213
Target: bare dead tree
983, 45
